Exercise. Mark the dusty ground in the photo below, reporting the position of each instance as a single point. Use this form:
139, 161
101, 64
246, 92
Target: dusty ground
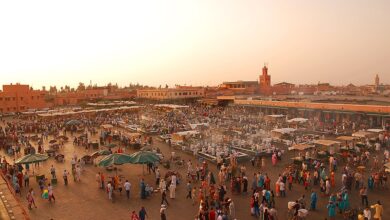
85, 200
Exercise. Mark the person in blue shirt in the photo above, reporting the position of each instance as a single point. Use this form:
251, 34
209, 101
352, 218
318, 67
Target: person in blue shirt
370, 182
331, 210
142, 213
345, 199
313, 199
143, 189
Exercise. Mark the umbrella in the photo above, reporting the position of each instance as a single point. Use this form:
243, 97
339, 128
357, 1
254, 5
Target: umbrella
110, 145
114, 159
32, 158
144, 157
146, 148
65, 138
73, 122
100, 153
52, 141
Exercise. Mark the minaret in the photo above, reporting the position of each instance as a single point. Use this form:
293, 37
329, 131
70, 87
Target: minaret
376, 81
265, 79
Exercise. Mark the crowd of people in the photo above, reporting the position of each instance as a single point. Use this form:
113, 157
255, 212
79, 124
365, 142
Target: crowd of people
212, 190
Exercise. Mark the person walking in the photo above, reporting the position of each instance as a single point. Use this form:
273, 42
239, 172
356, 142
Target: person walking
101, 180
162, 212
17, 188
193, 195
51, 193
98, 180
127, 187
158, 176
30, 199
163, 185
378, 210
282, 189
143, 189
363, 195
78, 173
164, 197
142, 213
172, 190
232, 209
65, 176
313, 200
26, 179
189, 190
331, 210
53, 172
110, 190
134, 216
367, 213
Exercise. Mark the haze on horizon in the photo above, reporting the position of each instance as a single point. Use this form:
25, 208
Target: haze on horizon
198, 42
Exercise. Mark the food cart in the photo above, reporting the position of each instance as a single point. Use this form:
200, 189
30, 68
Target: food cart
180, 137
275, 118
327, 147
282, 133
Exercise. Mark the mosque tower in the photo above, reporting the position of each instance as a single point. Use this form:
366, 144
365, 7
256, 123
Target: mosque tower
376, 82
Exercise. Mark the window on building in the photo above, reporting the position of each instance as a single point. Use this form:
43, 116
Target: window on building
32, 97
21, 98
13, 98
1, 99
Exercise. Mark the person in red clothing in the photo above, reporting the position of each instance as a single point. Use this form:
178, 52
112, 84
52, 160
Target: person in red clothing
290, 182
134, 216
20, 179
267, 183
212, 214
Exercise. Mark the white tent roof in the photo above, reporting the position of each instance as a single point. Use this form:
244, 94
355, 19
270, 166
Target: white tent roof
276, 116
375, 130
171, 106
193, 126
284, 130
299, 120
185, 133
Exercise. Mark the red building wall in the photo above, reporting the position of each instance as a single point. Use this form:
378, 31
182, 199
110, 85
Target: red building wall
20, 98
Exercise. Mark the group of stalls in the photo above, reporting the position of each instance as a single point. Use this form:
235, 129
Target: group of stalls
128, 138
323, 149
360, 141
343, 147
190, 142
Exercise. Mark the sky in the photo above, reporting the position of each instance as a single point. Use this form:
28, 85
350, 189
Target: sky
198, 42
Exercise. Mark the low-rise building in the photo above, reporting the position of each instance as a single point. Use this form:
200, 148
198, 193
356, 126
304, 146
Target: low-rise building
171, 93
283, 88
76, 97
21, 98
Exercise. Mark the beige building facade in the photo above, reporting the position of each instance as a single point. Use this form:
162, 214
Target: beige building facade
171, 93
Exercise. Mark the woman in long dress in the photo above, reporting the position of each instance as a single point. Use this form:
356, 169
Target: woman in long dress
331, 210
274, 159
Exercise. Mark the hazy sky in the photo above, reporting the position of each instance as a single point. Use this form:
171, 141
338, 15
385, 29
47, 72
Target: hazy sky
193, 42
